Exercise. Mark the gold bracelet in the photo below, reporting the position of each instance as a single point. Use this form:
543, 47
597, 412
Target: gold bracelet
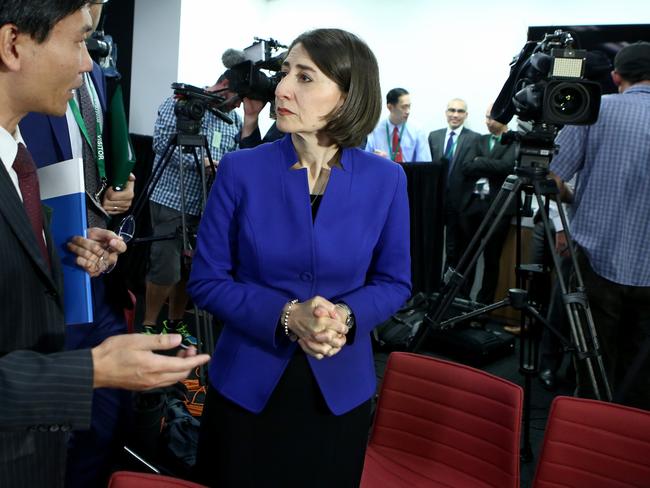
285, 320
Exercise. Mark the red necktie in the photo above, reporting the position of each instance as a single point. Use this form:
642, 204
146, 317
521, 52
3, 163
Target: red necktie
28, 182
397, 149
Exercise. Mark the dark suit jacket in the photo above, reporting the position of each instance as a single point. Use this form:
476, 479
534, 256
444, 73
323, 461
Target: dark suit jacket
494, 165
259, 248
459, 189
43, 393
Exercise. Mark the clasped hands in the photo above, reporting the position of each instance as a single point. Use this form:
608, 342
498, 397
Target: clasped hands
319, 326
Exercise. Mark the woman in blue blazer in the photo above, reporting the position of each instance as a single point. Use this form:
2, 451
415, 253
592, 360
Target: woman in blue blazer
302, 250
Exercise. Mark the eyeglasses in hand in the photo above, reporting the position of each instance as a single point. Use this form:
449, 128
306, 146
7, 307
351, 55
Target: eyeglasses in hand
126, 229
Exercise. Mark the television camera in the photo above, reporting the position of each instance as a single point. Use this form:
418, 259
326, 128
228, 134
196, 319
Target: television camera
190, 107
546, 89
247, 66
547, 84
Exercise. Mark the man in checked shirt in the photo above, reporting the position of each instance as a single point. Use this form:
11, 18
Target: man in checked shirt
611, 223
165, 278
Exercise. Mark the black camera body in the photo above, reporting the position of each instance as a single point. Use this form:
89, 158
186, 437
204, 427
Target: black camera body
99, 45
546, 89
247, 78
248, 81
191, 104
547, 85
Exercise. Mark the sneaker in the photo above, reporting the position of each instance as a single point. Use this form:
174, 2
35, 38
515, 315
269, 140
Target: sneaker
188, 338
155, 329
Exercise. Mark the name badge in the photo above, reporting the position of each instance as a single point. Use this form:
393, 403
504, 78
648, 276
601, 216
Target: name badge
216, 139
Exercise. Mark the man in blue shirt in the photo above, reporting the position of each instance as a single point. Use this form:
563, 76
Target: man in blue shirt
393, 138
165, 278
611, 223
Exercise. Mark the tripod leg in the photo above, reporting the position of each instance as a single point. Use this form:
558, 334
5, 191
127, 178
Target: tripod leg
454, 279
200, 168
591, 328
152, 181
573, 314
576, 304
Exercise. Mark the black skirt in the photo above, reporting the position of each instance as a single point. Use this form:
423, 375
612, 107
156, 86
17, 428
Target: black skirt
294, 442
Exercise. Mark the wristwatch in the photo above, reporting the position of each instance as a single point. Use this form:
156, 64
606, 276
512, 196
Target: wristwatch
349, 321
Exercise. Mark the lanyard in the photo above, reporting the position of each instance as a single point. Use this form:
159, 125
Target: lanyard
393, 153
98, 147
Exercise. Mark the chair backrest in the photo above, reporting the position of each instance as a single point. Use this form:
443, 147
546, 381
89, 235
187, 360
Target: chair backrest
131, 479
460, 423
595, 444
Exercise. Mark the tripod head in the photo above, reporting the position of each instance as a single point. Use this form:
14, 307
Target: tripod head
190, 107
536, 148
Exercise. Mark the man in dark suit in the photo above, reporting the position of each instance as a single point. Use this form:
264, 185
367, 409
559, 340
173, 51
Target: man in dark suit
453, 145
45, 392
52, 139
492, 163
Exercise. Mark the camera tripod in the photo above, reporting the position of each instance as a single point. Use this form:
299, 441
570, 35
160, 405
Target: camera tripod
530, 178
182, 143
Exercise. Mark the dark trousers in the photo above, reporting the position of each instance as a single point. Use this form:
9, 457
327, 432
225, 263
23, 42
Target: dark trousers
457, 238
551, 351
92, 453
491, 253
622, 320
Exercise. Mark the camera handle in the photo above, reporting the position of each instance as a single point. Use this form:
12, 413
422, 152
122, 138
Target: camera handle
583, 344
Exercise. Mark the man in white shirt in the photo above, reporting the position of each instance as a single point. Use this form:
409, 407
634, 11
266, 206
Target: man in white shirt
454, 145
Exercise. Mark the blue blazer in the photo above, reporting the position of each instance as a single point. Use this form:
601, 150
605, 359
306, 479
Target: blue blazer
258, 248
47, 136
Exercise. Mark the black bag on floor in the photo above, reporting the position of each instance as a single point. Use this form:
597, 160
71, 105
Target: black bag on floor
397, 332
472, 346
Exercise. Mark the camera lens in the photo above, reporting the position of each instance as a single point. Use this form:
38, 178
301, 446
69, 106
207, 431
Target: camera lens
567, 102
571, 102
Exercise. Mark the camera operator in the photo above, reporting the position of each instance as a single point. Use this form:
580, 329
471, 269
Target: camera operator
165, 278
610, 224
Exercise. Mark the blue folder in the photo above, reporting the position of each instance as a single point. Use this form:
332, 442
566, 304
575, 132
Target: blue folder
62, 189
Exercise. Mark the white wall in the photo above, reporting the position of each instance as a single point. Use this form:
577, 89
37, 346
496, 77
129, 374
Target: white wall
435, 50
155, 59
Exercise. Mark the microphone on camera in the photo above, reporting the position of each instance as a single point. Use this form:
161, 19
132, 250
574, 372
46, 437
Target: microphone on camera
232, 57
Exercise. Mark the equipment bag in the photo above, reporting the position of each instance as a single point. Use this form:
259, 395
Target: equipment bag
397, 332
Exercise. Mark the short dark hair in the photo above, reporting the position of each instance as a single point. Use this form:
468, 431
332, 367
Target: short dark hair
37, 17
633, 62
349, 62
392, 96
